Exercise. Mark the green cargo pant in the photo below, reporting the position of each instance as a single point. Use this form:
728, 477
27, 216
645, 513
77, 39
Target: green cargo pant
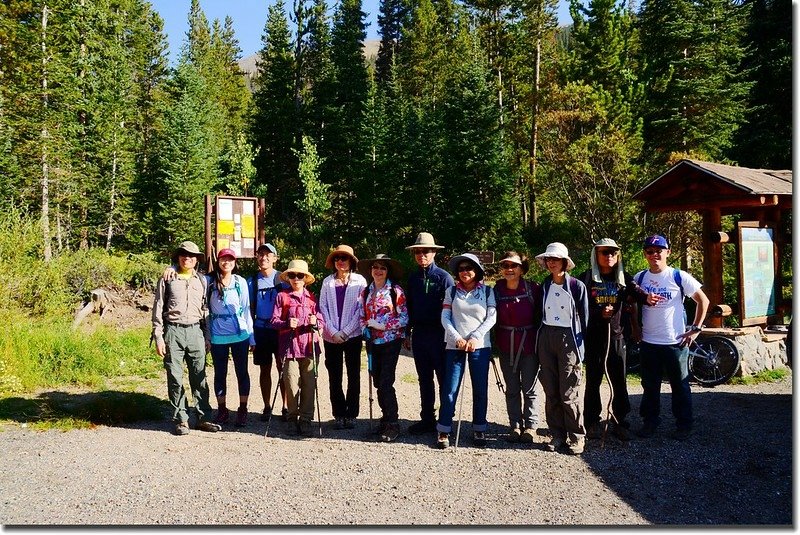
186, 343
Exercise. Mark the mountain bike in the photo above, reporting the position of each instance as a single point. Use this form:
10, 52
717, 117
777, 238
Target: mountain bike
713, 360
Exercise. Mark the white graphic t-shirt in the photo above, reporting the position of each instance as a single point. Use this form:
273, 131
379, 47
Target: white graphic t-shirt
558, 307
664, 322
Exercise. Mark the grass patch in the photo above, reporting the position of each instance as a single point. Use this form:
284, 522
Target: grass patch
409, 378
765, 376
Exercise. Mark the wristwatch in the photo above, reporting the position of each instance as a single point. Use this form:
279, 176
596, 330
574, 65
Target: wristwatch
696, 328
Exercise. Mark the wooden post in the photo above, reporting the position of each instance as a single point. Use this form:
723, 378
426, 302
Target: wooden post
262, 216
209, 251
712, 263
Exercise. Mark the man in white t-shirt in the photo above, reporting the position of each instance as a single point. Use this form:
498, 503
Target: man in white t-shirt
666, 338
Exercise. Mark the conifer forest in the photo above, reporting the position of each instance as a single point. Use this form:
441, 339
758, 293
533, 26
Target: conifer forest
481, 121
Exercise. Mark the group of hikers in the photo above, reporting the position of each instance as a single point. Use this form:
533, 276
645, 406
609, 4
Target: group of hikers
544, 333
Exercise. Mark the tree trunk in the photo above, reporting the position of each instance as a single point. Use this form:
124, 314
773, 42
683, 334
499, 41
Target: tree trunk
535, 133
45, 221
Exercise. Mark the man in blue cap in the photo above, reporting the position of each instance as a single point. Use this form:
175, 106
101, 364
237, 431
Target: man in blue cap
264, 287
666, 338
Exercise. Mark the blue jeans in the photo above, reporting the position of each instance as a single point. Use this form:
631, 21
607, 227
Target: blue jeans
479, 379
219, 354
427, 344
673, 359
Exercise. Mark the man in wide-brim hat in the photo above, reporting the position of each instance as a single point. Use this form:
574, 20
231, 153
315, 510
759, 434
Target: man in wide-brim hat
178, 308
425, 290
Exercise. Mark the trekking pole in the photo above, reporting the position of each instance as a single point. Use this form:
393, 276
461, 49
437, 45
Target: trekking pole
460, 401
315, 356
369, 373
278, 386
500, 386
609, 412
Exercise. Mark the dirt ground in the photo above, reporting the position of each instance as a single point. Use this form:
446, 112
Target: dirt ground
736, 470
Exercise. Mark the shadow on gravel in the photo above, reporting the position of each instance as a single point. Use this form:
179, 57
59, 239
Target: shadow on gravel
59, 409
735, 469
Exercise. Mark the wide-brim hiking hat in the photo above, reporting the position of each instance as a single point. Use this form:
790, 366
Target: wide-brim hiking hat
555, 250
471, 258
655, 240
226, 252
395, 268
298, 266
606, 242
341, 250
515, 259
189, 248
425, 241
267, 247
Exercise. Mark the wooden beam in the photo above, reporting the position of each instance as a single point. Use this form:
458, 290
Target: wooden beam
712, 263
728, 204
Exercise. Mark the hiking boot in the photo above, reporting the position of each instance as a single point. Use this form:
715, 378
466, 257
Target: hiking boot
555, 444
181, 429
527, 436
292, 426
479, 439
443, 441
305, 428
338, 423
284, 414
647, 430
514, 434
594, 431
622, 432
223, 414
420, 428
266, 415
378, 430
349, 423
576, 446
682, 433
390, 433
241, 417
209, 427
543, 431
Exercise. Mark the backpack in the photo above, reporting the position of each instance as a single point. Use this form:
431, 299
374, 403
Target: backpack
254, 291
213, 288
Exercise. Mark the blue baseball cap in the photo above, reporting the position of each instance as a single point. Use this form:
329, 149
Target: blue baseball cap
268, 246
655, 241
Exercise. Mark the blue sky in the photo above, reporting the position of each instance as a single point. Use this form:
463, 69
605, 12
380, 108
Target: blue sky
249, 17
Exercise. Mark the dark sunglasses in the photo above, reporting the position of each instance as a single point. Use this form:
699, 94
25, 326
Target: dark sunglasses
341, 258
424, 251
607, 252
651, 252
379, 267
508, 265
465, 267
552, 259
293, 276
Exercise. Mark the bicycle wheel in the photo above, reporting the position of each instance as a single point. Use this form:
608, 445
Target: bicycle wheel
632, 357
713, 360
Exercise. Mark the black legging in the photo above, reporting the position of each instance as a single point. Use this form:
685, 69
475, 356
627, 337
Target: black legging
338, 356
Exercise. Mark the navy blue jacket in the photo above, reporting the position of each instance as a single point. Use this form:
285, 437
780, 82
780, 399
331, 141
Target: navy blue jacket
424, 295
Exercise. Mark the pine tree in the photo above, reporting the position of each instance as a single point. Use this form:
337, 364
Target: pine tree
765, 139
695, 99
272, 130
392, 19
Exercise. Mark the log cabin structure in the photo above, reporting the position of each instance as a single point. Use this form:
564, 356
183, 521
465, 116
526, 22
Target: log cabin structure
715, 190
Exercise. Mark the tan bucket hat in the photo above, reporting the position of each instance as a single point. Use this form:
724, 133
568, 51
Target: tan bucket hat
190, 248
395, 268
555, 250
340, 250
298, 266
425, 241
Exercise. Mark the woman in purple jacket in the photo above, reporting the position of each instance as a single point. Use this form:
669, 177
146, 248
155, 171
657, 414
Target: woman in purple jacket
297, 317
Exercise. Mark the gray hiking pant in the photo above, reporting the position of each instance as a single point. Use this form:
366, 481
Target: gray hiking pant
186, 343
561, 379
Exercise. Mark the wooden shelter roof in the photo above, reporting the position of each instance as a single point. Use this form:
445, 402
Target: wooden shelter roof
695, 184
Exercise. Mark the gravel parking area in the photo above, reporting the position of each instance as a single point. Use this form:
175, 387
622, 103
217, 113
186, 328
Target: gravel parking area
735, 470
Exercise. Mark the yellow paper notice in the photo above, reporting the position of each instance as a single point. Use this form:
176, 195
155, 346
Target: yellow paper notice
248, 226
224, 227
223, 243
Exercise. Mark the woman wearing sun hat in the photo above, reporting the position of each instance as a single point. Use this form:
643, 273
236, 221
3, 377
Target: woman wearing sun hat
468, 314
519, 313
384, 318
340, 307
559, 344
296, 317
230, 328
